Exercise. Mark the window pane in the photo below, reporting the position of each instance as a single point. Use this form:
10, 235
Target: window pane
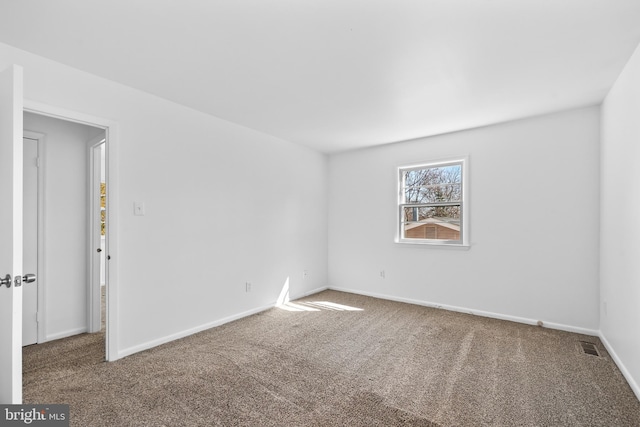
439, 223
434, 193
440, 187
437, 175
436, 223
431, 185
449, 214
433, 231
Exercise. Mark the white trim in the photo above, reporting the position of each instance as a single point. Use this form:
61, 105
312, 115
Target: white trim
112, 136
60, 113
464, 223
102, 278
94, 318
616, 359
433, 163
517, 319
435, 244
307, 293
41, 276
67, 333
168, 338
111, 240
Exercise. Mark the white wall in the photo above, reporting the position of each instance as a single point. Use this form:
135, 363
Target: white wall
64, 163
534, 222
224, 205
620, 225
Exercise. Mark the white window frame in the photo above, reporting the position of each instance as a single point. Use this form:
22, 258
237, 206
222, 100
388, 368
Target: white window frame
464, 203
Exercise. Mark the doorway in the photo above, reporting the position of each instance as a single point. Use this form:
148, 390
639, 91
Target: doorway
97, 234
31, 143
64, 289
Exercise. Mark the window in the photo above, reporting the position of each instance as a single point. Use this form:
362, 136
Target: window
431, 203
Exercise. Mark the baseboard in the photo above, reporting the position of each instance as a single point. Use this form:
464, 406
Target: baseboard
159, 341
154, 343
306, 294
550, 325
65, 334
616, 359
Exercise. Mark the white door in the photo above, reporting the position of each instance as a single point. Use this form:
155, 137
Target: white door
30, 241
11, 106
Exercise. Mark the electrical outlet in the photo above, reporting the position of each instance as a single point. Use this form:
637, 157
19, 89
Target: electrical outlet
305, 274
382, 274
247, 287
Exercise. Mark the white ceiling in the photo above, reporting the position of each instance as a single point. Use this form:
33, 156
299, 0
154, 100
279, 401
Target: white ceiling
342, 74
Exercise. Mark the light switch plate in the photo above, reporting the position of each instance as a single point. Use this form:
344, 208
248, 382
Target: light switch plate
138, 208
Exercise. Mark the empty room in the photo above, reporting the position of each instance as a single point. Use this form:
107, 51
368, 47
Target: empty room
353, 213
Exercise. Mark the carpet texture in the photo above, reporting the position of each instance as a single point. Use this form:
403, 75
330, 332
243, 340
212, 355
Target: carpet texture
339, 359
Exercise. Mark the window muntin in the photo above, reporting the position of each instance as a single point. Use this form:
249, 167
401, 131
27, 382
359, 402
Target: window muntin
431, 203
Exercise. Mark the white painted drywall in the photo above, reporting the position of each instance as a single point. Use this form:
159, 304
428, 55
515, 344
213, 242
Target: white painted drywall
64, 160
534, 222
620, 225
224, 205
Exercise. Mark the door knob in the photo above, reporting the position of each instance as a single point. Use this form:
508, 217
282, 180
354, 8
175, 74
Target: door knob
28, 278
6, 281
19, 280
99, 250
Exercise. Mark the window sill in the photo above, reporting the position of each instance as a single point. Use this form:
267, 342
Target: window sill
460, 246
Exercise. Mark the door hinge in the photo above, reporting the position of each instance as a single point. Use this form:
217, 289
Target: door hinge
38, 317
37, 162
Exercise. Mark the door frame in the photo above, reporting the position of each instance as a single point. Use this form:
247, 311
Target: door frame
111, 234
94, 320
41, 276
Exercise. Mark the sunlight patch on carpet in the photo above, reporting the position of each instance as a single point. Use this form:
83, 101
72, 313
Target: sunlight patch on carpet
291, 306
316, 306
326, 305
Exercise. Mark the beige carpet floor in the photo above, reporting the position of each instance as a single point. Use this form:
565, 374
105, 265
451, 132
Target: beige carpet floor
338, 359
